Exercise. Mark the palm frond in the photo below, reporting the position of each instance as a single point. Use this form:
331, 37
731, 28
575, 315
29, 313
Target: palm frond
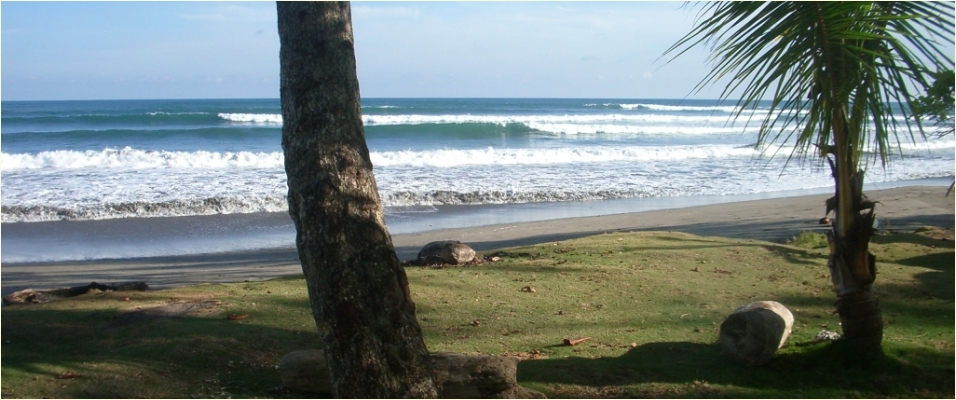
821, 62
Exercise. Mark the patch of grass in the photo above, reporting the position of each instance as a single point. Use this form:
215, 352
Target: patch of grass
652, 304
810, 240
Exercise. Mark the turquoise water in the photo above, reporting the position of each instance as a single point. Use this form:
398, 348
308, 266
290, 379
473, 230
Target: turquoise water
96, 160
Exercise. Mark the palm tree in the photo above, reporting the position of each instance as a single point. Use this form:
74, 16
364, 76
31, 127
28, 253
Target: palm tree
832, 72
937, 105
357, 287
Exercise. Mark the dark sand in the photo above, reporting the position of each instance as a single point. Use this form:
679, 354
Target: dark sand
903, 209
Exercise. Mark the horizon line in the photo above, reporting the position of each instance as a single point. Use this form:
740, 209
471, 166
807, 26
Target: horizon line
383, 97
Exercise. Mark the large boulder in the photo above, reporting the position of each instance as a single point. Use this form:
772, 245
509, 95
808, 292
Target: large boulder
456, 376
432, 252
460, 376
457, 253
445, 251
753, 333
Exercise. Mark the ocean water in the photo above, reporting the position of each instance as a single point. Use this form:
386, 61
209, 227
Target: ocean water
102, 160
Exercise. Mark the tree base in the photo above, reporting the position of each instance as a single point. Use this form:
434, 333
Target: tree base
862, 320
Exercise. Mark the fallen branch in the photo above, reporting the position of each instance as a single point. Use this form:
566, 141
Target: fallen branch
28, 296
575, 342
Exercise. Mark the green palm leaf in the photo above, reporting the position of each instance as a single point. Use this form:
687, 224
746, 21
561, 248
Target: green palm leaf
821, 63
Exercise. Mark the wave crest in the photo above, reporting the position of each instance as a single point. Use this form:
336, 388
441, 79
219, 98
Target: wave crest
141, 209
140, 159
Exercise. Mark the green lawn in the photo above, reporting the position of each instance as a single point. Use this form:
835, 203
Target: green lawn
652, 304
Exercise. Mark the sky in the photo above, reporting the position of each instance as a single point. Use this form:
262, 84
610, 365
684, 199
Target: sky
160, 50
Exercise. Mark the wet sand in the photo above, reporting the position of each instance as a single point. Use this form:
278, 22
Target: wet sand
902, 208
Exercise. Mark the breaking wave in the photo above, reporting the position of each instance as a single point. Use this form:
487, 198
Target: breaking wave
141, 209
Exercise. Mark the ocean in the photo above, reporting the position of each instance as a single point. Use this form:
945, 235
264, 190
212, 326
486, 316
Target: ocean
156, 161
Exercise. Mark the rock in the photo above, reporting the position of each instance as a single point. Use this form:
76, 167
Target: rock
432, 252
306, 370
445, 251
457, 253
460, 376
754, 332
456, 375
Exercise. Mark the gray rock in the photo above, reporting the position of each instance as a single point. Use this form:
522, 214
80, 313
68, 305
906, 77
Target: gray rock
306, 370
753, 333
432, 252
457, 253
460, 376
456, 375
445, 251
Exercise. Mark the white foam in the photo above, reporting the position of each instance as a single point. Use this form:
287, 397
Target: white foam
420, 119
642, 129
553, 156
421, 179
155, 113
661, 107
128, 158
264, 119
559, 123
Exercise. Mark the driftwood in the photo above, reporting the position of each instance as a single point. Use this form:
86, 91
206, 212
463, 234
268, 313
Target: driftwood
30, 296
575, 342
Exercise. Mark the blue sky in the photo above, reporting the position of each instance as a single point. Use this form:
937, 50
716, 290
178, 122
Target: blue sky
135, 50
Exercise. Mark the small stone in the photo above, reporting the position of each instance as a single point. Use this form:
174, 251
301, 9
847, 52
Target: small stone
475, 323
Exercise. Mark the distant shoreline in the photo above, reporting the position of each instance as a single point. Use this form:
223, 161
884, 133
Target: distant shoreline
902, 208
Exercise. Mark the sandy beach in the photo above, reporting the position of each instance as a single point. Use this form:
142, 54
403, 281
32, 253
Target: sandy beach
903, 209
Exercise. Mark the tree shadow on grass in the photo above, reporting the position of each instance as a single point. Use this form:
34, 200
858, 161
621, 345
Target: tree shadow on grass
819, 370
116, 357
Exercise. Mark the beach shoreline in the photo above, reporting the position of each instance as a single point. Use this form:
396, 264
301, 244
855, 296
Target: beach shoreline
901, 208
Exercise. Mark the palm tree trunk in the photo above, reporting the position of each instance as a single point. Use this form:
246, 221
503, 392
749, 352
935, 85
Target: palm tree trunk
852, 266
357, 287
853, 270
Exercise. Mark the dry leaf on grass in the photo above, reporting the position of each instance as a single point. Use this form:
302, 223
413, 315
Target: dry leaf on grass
68, 375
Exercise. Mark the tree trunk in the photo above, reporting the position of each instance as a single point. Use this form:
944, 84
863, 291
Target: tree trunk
358, 289
853, 270
852, 266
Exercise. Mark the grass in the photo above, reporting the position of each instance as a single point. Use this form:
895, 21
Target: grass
652, 304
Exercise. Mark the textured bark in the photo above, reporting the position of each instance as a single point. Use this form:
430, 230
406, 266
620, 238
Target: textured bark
853, 269
358, 289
